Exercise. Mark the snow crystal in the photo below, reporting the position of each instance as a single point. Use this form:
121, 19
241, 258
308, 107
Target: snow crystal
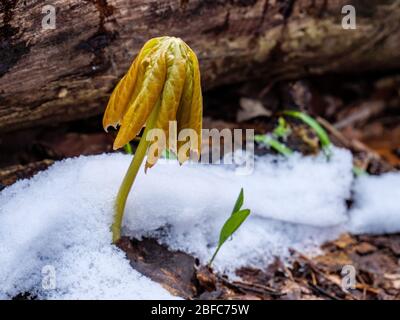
61, 218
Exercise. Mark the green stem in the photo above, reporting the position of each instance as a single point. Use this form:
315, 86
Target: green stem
128, 148
214, 255
274, 144
131, 174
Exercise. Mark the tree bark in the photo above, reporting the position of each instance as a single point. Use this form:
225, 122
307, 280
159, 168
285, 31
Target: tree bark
49, 76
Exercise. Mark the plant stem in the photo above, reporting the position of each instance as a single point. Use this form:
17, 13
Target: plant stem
274, 144
128, 148
131, 174
214, 255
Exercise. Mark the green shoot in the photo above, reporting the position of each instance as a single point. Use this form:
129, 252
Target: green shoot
282, 130
273, 143
168, 154
358, 172
233, 223
321, 133
128, 148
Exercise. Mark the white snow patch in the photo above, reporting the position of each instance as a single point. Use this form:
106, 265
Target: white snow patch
295, 202
376, 206
61, 217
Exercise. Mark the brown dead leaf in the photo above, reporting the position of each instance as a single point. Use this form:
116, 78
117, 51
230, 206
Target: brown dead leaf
344, 241
364, 248
333, 261
174, 270
250, 109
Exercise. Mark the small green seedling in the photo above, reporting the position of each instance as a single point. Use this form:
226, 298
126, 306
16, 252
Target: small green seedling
128, 148
271, 140
274, 144
282, 130
232, 224
358, 172
321, 133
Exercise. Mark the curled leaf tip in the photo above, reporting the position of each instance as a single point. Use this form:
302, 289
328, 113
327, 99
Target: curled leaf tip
107, 126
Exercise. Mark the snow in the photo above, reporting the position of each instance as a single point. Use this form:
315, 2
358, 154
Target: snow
61, 218
288, 198
377, 204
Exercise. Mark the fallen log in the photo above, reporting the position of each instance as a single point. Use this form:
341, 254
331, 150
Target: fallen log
54, 75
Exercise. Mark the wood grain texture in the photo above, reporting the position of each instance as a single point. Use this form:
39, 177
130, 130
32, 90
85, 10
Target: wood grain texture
50, 76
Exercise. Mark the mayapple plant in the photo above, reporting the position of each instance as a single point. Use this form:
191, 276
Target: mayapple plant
162, 85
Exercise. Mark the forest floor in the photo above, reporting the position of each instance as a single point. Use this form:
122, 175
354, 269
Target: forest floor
361, 114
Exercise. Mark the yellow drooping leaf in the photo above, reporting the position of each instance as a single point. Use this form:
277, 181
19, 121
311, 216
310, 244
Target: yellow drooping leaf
171, 95
183, 114
166, 69
141, 106
191, 109
122, 94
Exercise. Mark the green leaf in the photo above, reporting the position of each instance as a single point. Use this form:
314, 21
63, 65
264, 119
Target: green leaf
128, 148
274, 144
282, 130
310, 121
239, 202
232, 224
